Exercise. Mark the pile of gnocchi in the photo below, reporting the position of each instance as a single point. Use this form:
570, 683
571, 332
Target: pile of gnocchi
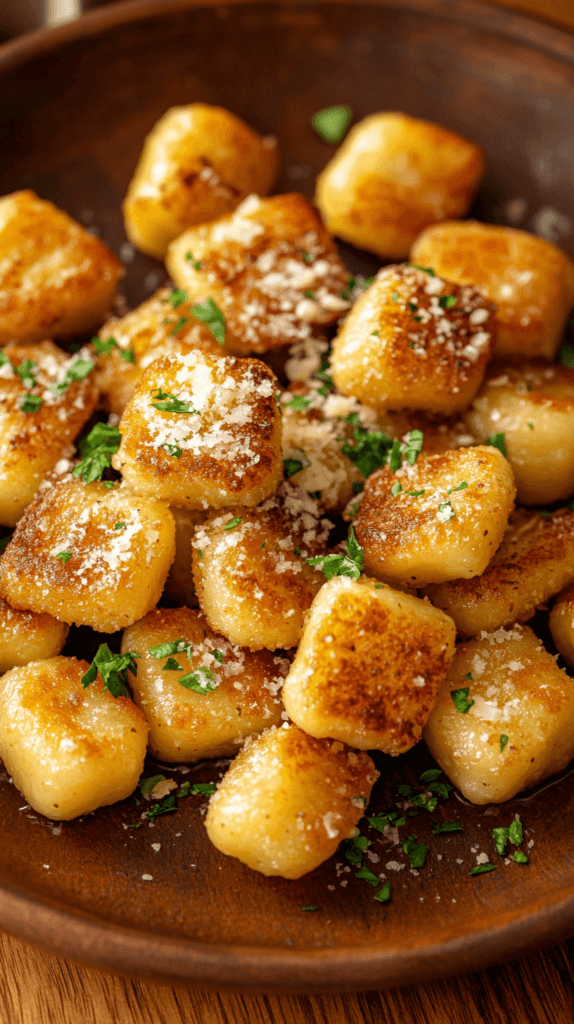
298, 565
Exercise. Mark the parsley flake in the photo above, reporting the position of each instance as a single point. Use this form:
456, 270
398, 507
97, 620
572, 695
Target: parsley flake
177, 297
354, 849
195, 263
27, 371
210, 314
384, 894
445, 512
113, 669
172, 665
482, 869
351, 564
104, 347
324, 375
64, 556
369, 451
292, 465
460, 699
166, 402
202, 788
415, 851
172, 449
500, 836
430, 775
503, 742
31, 403
4, 542
567, 355
299, 403
148, 785
165, 806
309, 908
119, 526
447, 301
233, 523
412, 446
520, 857
180, 646
367, 875
498, 440
331, 123
79, 369
192, 680
531, 425
425, 270
515, 832
396, 488
97, 449
446, 826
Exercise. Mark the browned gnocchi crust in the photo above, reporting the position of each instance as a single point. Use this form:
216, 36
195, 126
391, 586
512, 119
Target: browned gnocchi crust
68, 749
41, 412
530, 280
439, 520
198, 163
240, 688
414, 340
28, 636
89, 555
56, 279
271, 268
288, 800
392, 177
369, 666
534, 562
221, 418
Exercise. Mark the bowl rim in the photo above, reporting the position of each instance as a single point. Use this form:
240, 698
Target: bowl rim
82, 937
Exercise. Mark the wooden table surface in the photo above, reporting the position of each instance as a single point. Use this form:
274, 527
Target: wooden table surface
38, 988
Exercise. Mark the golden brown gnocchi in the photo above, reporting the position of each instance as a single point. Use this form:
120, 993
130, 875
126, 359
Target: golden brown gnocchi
270, 269
534, 562
504, 719
203, 432
46, 397
213, 697
530, 280
68, 749
414, 341
392, 177
561, 623
288, 800
56, 279
89, 555
369, 665
198, 163
28, 636
179, 587
437, 520
532, 406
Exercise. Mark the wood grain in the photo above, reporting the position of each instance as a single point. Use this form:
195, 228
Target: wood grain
38, 988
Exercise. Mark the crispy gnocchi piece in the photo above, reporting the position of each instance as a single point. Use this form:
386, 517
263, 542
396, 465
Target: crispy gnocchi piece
533, 563
270, 268
533, 406
227, 693
179, 586
68, 749
46, 397
89, 555
197, 164
392, 177
251, 577
288, 800
56, 279
530, 280
160, 326
414, 341
203, 432
561, 623
27, 636
518, 726
441, 519
369, 666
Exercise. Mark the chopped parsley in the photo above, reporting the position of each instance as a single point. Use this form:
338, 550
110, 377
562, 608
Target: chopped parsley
183, 320
520, 857
210, 314
460, 699
503, 742
355, 848
384, 894
468, 675
500, 836
430, 775
31, 403
119, 526
446, 512
172, 449
369, 451
482, 869
180, 646
113, 669
165, 806
367, 875
498, 440
198, 788
416, 494
447, 301
149, 784
309, 294
292, 465
324, 375
424, 802
531, 425
172, 665
177, 297
460, 487
166, 402
415, 851
515, 832
195, 263
64, 556
396, 488
446, 826
103, 348
307, 256
298, 403
351, 564
331, 123
233, 523
441, 789
4, 542
567, 355
192, 680
97, 449
395, 299
309, 908
27, 371
425, 270
79, 369
218, 655
412, 446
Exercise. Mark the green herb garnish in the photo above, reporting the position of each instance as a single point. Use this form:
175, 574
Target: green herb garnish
64, 556
446, 826
31, 403
447, 301
482, 869
166, 402
97, 449
331, 123
460, 699
351, 564
233, 523
503, 742
367, 875
384, 894
498, 440
415, 851
212, 317
192, 680
113, 669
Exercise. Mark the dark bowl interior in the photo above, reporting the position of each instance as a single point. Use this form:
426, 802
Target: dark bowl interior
75, 106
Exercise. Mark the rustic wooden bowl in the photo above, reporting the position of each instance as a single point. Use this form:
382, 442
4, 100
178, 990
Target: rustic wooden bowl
76, 103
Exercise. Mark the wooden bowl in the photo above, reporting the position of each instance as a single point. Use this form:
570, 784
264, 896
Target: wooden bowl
76, 103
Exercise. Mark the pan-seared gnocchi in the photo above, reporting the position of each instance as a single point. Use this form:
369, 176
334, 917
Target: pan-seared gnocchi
414, 341
532, 406
534, 562
504, 719
203, 432
561, 622
197, 164
437, 520
179, 587
56, 279
28, 636
46, 397
128, 344
250, 570
270, 270
88, 554
68, 749
392, 177
202, 695
369, 666
288, 800
530, 280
